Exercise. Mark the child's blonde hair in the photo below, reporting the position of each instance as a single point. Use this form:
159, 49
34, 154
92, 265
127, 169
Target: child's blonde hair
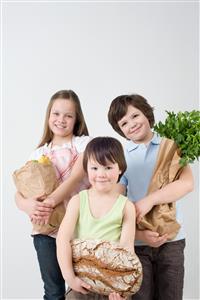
80, 127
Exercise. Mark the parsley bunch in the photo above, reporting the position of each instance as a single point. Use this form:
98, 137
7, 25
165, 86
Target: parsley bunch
184, 129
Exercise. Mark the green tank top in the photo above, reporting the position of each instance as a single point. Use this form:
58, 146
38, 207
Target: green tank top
107, 227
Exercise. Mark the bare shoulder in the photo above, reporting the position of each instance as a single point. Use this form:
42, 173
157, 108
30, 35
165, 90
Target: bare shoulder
74, 201
129, 206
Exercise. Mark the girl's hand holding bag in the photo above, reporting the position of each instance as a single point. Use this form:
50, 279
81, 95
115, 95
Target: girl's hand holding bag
38, 177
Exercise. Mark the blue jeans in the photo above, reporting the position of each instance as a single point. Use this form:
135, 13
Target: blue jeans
54, 284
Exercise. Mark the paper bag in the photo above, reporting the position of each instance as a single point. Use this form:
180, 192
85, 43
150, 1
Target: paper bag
36, 179
162, 217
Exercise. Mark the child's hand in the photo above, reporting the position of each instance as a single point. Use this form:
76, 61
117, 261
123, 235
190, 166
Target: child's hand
153, 239
115, 296
79, 285
43, 213
40, 220
142, 207
35, 206
40, 211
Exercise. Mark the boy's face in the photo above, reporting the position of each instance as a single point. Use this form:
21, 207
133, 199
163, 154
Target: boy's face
135, 126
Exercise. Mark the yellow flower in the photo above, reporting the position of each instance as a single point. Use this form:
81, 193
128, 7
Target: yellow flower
44, 160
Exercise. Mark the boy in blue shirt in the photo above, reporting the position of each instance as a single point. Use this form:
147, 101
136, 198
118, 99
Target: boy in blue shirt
162, 260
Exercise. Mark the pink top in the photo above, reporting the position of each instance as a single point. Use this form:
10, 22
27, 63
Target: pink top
63, 158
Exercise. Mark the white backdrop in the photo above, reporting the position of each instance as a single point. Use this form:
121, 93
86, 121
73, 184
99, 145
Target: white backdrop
100, 50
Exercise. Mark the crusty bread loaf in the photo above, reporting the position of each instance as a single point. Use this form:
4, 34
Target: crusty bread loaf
107, 267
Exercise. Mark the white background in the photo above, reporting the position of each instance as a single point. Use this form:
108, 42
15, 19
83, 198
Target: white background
100, 50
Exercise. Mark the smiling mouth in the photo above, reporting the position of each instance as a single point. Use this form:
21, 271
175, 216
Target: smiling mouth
135, 130
60, 126
102, 181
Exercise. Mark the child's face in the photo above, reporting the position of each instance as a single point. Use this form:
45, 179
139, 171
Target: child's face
62, 118
135, 126
102, 178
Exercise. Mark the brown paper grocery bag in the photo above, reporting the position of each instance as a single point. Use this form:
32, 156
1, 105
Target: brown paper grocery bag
162, 218
36, 179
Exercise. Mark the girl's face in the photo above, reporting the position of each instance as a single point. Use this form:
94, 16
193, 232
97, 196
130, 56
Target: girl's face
135, 126
102, 178
62, 118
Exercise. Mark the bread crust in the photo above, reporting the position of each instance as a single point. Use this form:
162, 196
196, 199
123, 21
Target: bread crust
107, 267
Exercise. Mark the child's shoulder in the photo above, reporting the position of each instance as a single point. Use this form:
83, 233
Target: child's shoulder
37, 153
74, 203
125, 201
80, 142
130, 205
123, 197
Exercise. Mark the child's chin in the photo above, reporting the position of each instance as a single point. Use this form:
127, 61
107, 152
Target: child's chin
103, 188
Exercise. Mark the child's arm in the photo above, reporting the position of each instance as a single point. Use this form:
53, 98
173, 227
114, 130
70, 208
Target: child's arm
64, 250
67, 187
115, 296
170, 193
151, 238
128, 226
32, 206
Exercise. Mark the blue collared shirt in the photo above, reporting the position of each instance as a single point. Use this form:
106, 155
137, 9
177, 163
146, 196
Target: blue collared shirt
141, 160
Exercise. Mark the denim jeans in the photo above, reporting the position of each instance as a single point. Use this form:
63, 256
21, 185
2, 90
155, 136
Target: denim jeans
163, 271
54, 284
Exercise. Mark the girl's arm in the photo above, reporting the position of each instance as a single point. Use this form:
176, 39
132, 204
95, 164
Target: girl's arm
67, 187
128, 227
64, 250
33, 206
170, 193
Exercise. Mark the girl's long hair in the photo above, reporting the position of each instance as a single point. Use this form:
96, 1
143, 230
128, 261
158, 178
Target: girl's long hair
80, 127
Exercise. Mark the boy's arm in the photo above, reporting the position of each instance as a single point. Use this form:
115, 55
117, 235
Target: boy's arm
67, 187
64, 249
170, 193
128, 227
151, 238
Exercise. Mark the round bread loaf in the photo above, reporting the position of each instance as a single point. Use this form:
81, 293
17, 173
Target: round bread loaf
107, 267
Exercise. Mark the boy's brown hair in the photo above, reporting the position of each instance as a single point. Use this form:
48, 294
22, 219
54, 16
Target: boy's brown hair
119, 107
104, 150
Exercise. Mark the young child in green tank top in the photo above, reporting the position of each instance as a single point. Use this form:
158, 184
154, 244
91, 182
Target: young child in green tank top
89, 214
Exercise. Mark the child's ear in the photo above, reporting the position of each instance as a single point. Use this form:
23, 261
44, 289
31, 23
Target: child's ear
120, 172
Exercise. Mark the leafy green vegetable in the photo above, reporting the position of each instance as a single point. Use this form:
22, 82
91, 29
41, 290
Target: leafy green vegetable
184, 129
